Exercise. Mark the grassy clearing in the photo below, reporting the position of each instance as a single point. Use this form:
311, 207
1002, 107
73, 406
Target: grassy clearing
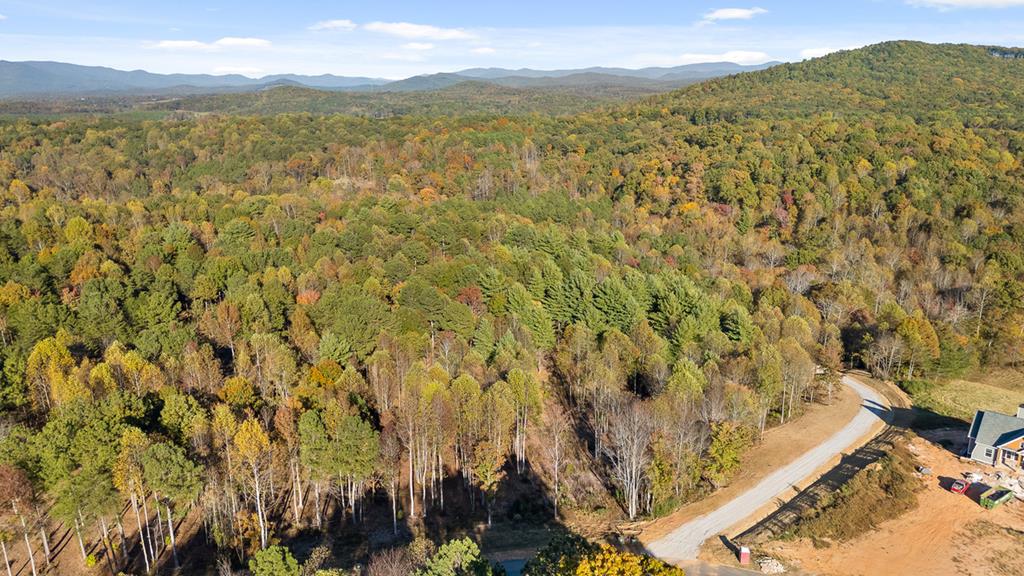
880, 492
961, 398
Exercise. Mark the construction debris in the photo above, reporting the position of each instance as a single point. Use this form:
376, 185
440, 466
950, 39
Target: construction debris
1000, 478
1016, 485
770, 565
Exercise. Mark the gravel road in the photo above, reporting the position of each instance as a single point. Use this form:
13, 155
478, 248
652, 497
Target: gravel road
684, 542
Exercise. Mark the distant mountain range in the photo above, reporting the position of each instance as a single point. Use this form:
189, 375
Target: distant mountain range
57, 79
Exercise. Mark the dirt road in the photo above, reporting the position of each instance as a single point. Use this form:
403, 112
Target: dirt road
684, 542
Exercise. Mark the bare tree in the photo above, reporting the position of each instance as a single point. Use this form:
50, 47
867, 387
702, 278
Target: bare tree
773, 253
801, 279
556, 448
391, 562
885, 355
627, 448
450, 351
224, 566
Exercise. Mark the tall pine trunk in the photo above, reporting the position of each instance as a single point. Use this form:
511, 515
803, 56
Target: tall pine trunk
394, 508
107, 547
7, 561
170, 530
259, 509
297, 493
159, 526
149, 531
124, 541
46, 544
28, 545
142, 535
81, 544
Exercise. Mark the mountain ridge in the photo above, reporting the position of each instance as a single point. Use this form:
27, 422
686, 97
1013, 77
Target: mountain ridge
27, 79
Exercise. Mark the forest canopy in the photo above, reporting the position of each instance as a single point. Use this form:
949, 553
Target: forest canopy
279, 322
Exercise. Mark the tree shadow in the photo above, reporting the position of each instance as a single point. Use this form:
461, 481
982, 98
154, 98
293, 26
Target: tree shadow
522, 518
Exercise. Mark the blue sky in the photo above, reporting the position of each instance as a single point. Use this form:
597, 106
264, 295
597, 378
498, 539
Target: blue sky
398, 39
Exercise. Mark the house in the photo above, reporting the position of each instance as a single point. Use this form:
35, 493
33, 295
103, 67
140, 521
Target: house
997, 439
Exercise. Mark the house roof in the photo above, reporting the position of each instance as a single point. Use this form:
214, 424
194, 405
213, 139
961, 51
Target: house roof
995, 428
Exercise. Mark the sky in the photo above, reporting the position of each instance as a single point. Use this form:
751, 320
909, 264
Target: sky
397, 39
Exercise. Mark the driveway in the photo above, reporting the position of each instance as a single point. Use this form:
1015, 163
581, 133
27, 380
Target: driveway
684, 542
697, 568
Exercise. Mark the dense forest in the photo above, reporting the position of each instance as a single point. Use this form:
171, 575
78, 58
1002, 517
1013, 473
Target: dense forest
257, 329
462, 99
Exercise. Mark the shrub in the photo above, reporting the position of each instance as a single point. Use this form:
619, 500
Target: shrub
274, 561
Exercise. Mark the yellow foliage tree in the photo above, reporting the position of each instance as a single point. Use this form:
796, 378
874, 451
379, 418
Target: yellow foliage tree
253, 447
610, 562
49, 373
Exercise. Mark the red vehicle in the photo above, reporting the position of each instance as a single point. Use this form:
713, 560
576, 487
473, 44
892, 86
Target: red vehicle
959, 486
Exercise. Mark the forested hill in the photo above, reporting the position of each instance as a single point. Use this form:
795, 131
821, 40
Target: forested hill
276, 327
463, 99
979, 85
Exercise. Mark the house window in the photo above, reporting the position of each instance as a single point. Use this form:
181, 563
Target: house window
988, 452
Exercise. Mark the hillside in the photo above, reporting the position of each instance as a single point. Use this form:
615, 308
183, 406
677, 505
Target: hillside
347, 332
976, 84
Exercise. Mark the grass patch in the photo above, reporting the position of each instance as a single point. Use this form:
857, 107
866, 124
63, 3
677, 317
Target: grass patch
961, 398
880, 492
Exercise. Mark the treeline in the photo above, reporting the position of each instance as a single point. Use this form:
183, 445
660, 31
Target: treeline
269, 325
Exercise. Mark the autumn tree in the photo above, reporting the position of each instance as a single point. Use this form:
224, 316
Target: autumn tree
253, 448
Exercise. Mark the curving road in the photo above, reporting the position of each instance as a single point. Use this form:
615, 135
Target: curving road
684, 542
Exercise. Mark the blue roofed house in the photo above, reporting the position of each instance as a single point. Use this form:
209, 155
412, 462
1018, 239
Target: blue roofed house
997, 439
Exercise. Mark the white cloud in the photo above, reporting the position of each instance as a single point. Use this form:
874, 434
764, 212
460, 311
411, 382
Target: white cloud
418, 46
2, 17
231, 41
343, 25
483, 50
226, 42
733, 14
418, 31
243, 70
951, 4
